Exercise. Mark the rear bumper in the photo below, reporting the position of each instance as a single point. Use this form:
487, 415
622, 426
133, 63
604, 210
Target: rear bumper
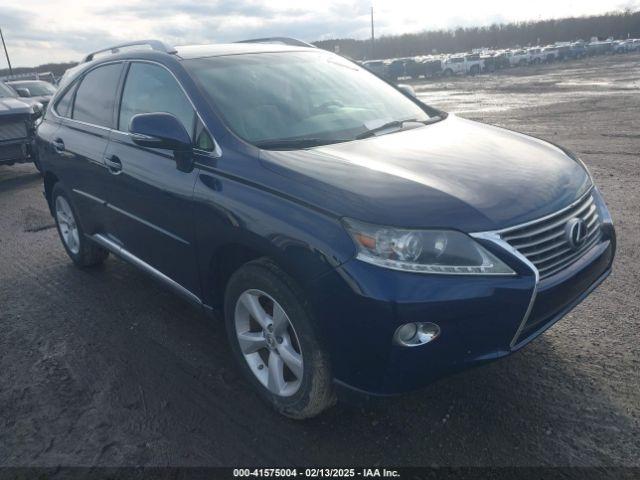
481, 318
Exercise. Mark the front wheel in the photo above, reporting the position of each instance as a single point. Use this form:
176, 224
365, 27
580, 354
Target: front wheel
82, 251
274, 340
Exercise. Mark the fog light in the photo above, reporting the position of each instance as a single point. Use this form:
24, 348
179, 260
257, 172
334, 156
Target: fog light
415, 334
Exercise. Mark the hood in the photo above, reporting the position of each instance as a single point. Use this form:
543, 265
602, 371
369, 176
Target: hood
452, 174
13, 106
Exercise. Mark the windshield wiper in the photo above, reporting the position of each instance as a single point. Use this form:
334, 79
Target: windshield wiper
395, 123
294, 143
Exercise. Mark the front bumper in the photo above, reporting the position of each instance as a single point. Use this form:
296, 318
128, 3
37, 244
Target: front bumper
481, 318
14, 151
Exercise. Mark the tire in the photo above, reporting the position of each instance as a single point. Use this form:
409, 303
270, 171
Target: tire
263, 284
80, 249
448, 72
474, 70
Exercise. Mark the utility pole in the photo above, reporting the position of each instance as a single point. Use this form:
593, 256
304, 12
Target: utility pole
373, 38
6, 53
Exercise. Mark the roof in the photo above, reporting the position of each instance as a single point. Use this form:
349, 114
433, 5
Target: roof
219, 49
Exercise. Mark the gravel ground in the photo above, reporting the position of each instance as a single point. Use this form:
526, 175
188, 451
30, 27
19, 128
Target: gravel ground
105, 367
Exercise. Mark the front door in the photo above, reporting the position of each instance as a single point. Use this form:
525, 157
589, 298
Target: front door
150, 199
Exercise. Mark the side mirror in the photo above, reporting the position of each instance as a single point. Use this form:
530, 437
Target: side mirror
38, 110
23, 92
164, 131
407, 90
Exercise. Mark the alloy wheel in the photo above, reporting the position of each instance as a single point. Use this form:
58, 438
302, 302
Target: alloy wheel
67, 225
268, 342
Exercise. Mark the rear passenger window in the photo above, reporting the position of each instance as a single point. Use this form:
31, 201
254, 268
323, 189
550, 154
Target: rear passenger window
96, 95
151, 88
63, 106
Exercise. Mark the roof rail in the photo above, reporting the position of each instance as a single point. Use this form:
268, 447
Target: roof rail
154, 44
294, 42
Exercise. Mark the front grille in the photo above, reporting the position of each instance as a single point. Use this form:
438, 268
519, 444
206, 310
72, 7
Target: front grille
544, 241
13, 130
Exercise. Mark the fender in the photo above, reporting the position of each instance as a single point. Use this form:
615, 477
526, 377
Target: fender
249, 221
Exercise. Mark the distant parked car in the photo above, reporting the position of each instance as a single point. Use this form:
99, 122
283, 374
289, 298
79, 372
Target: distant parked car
623, 46
37, 90
536, 55
414, 68
453, 66
518, 57
17, 129
501, 60
432, 67
577, 50
378, 67
462, 64
473, 64
396, 69
564, 52
550, 54
599, 48
489, 62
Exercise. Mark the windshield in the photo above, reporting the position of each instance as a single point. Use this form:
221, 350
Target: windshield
271, 98
6, 91
36, 89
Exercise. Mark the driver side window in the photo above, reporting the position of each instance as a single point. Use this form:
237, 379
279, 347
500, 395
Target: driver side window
151, 88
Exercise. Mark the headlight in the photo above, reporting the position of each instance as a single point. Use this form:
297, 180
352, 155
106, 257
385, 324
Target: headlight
423, 251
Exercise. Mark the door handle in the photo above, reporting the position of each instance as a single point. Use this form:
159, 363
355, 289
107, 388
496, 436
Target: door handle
113, 164
58, 145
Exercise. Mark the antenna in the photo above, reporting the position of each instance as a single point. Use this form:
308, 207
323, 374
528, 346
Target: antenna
373, 37
6, 53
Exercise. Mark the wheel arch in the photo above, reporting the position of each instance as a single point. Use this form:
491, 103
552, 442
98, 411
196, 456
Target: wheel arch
50, 179
227, 258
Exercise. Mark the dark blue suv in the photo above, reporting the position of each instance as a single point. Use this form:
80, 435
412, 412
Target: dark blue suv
353, 237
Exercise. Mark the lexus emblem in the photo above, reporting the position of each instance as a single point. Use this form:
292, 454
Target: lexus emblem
575, 232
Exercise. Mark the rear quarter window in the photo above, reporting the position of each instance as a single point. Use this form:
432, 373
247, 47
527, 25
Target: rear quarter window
63, 105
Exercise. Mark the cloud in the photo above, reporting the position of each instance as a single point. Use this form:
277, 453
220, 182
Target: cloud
41, 31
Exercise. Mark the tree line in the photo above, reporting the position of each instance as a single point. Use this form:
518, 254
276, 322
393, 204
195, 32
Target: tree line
618, 25
56, 68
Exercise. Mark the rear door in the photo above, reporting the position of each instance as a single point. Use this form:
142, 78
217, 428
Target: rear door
86, 116
150, 199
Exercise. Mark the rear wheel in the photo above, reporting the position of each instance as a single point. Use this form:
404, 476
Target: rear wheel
81, 250
274, 340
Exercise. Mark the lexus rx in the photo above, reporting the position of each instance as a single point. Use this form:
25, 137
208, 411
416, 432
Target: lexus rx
353, 237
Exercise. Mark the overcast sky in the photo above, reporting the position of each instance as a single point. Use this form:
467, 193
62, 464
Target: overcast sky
41, 31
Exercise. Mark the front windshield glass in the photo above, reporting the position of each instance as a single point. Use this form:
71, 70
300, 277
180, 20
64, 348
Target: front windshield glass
270, 99
6, 91
37, 89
